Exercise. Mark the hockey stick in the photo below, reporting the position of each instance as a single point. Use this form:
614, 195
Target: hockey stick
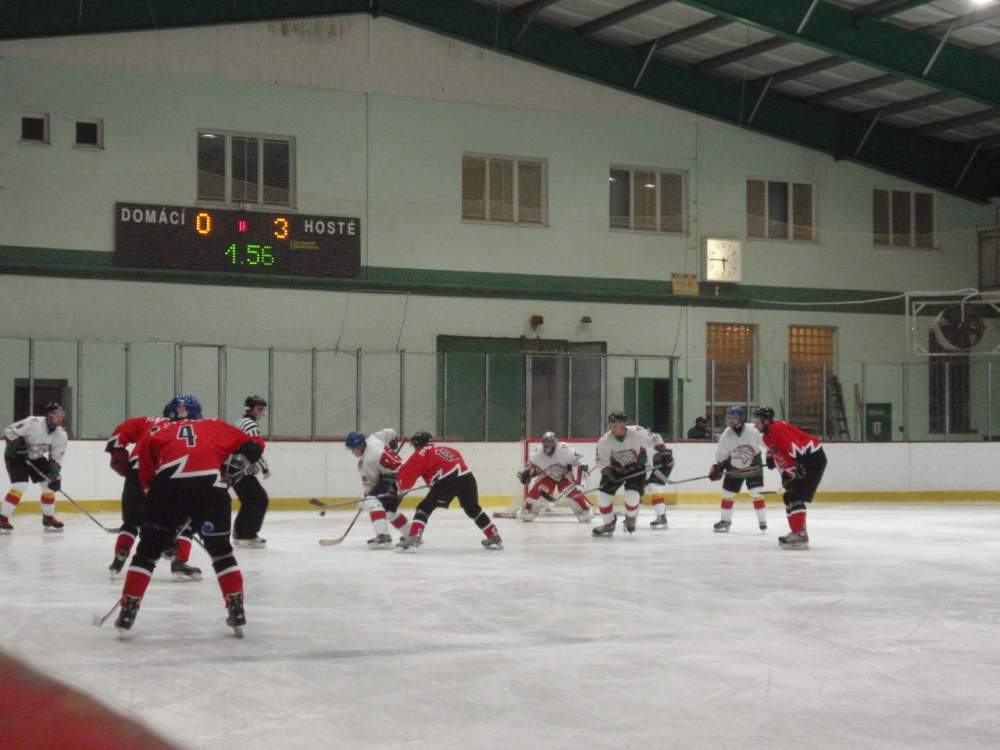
339, 539
74, 502
98, 620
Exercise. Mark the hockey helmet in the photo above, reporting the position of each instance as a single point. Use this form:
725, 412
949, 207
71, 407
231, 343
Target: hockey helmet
355, 440
252, 401
764, 412
54, 413
191, 405
549, 441
617, 416
420, 439
737, 411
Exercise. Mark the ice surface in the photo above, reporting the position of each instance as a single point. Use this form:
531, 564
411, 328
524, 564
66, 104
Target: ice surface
885, 635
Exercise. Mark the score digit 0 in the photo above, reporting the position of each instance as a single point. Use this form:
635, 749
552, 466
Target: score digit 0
281, 228
203, 223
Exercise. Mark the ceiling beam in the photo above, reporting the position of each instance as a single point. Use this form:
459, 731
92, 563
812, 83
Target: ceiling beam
888, 47
852, 89
682, 35
893, 150
961, 22
808, 69
952, 123
533, 7
885, 8
909, 105
619, 16
742, 53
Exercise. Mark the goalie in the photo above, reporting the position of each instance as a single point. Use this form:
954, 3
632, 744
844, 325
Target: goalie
560, 471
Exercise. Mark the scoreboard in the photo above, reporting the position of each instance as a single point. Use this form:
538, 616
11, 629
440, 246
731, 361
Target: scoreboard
247, 242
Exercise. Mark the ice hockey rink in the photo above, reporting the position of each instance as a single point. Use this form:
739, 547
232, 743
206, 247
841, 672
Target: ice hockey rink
883, 635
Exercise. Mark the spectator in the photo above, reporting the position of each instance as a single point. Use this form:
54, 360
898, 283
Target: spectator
700, 430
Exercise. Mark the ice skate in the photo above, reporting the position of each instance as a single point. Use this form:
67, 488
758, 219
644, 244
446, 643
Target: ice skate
254, 543
381, 541
722, 527
51, 523
605, 529
184, 572
408, 543
121, 556
584, 516
237, 617
629, 524
660, 522
5, 527
794, 540
170, 552
492, 542
126, 615
529, 514
763, 526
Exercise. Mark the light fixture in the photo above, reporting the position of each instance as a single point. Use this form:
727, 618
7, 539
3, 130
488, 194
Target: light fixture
981, 2
649, 185
585, 320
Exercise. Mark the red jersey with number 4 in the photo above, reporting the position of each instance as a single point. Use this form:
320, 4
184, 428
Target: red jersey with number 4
432, 464
191, 447
789, 445
131, 431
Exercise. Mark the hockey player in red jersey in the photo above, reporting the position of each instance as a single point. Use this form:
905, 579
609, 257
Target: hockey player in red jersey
130, 432
180, 467
443, 470
801, 459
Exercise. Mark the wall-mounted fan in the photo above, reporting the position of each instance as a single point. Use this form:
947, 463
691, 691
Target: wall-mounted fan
958, 328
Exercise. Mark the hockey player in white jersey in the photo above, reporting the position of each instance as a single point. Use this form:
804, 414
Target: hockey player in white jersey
560, 470
662, 460
622, 456
378, 462
738, 456
34, 453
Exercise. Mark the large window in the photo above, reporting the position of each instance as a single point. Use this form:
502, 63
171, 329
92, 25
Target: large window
648, 199
810, 369
242, 168
730, 346
901, 218
780, 210
503, 189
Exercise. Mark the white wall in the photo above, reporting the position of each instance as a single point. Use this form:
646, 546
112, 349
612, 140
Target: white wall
327, 470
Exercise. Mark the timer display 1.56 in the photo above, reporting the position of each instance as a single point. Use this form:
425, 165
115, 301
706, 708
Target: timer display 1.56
255, 242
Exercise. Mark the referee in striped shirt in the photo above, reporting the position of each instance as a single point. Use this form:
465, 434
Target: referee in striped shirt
252, 495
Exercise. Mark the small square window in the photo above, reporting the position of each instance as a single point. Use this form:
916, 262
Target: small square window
35, 129
89, 133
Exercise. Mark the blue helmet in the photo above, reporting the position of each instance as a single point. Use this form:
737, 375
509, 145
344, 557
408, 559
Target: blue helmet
354, 440
190, 403
736, 411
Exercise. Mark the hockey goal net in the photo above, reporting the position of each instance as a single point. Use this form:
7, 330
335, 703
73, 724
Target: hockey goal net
518, 492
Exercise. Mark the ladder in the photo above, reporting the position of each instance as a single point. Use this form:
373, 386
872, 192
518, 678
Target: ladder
836, 412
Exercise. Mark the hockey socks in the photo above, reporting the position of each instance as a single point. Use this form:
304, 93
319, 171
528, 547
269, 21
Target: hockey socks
183, 549
125, 540
10, 502
727, 505
379, 522
136, 582
48, 503
659, 505
797, 518
400, 523
760, 508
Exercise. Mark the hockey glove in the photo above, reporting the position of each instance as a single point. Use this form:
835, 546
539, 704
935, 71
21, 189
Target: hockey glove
119, 461
19, 448
524, 476
663, 464
55, 483
251, 450
770, 461
715, 473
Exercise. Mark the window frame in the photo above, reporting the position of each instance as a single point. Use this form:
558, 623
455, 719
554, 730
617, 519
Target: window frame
515, 194
659, 172
799, 361
791, 183
228, 177
46, 129
890, 245
99, 122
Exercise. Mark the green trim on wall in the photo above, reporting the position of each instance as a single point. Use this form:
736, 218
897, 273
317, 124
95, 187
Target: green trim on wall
90, 264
